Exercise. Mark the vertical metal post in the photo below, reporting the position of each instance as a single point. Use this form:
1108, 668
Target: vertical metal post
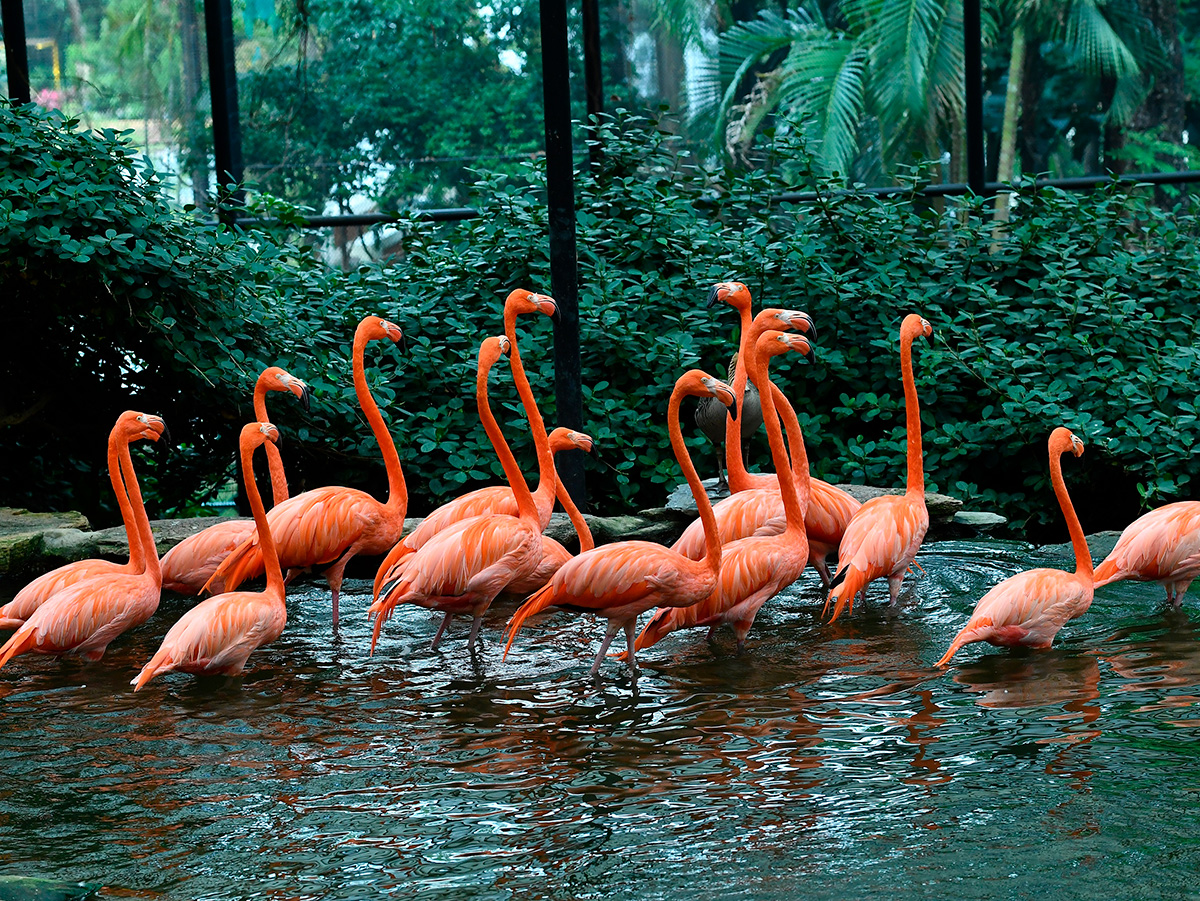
222, 81
12, 15
564, 276
593, 72
973, 76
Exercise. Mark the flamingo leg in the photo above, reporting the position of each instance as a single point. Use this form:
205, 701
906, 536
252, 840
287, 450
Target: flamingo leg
441, 629
712, 633
612, 630
630, 628
894, 587
333, 576
475, 624
822, 569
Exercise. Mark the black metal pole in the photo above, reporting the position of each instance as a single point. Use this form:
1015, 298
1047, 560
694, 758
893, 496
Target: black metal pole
593, 74
564, 276
973, 77
16, 57
222, 80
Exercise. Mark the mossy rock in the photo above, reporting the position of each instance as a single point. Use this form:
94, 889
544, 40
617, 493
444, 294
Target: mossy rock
21, 534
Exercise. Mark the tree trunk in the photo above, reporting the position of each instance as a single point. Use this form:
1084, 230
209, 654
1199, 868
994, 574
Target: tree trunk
192, 123
1012, 111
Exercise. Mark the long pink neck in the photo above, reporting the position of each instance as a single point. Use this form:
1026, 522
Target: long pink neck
397, 490
279, 488
739, 478
266, 539
712, 535
526, 509
547, 477
137, 562
912, 413
1083, 556
586, 542
787, 486
149, 552
801, 480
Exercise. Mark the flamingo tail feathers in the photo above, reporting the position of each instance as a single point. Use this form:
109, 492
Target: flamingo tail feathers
846, 586
160, 663
1106, 572
18, 643
235, 569
970, 632
538, 601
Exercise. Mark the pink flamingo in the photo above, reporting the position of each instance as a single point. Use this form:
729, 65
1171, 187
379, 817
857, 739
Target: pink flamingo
83, 618
218, 635
1029, 608
885, 534
754, 570
130, 426
463, 568
620, 581
554, 555
189, 565
334, 524
1161, 546
755, 507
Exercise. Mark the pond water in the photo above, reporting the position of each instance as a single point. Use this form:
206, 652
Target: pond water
828, 761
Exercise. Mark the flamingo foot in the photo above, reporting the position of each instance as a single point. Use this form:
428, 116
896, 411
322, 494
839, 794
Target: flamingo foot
612, 630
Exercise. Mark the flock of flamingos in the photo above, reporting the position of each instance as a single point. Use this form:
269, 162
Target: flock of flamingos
735, 557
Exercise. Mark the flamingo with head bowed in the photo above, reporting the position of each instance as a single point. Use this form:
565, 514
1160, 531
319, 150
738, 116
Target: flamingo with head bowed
189, 565
130, 426
83, 618
883, 537
334, 524
754, 570
1161, 546
755, 507
1029, 608
462, 568
620, 581
218, 635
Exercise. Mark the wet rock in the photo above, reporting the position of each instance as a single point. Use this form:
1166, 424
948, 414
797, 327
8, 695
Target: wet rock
978, 521
22, 535
681, 500
31, 888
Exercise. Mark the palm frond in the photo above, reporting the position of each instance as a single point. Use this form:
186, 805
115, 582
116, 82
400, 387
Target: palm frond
1091, 39
825, 82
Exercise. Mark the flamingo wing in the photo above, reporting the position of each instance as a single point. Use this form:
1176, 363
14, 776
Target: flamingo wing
738, 516
45, 586
494, 499
1163, 544
883, 536
189, 565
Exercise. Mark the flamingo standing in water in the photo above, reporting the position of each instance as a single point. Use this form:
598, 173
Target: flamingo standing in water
130, 426
620, 581
334, 524
885, 534
83, 618
1029, 608
1161, 546
754, 570
755, 507
463, 568
217, 635
189, 565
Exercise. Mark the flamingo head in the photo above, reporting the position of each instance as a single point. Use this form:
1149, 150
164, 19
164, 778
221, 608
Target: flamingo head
569, 439
491, 350
275, 379
913, 325
701, 384
735, 294
1063, 440
136, 426
521, 301
773, 318
774, 342
377, 329
256, 433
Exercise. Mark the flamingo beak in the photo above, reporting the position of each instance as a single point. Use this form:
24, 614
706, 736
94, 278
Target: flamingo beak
165, 438
811, 357
714, 295
305, 399
812, 328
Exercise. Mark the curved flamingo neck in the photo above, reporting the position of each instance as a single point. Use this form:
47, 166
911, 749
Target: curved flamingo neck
397, 490
266, 540
912, 414
787, 486
801, 479
526, 509
739, 478
149, 552
1083, 556
137, 562
712, 537
279, 487
547, 477
586, 542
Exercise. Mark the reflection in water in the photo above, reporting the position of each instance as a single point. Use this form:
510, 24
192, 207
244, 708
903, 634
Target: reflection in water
830, 760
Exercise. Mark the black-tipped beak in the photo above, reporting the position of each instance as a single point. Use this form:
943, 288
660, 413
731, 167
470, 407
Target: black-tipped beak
164, 439
556, 316
812, 330
278, 439
733, 409
305, 402
403, 342
713, 296
810, 356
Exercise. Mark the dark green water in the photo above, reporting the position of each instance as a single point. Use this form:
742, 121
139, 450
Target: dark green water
827, 762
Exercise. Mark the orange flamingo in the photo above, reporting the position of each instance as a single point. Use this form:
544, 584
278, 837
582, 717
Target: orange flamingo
1162, 546
885, 534
189, 565
463, 568
130, 426
218, 635
620, 581
83, 618
1029, 608
498, 499
754, 570
554, 555
334, 524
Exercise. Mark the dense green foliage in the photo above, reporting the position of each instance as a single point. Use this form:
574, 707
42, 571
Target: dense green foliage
1081, 314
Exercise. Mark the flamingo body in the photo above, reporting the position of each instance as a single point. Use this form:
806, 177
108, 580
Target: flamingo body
554, 557
189, 565
28, 599
1161, 546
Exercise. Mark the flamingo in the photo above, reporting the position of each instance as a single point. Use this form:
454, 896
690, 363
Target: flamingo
499, 499
711, 419
620, 581
1029, 608
334, 524
1162, 546
130, 426
754, 570
754, 507
83, 618
884, 535
217, 635
464, 567
189, 565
